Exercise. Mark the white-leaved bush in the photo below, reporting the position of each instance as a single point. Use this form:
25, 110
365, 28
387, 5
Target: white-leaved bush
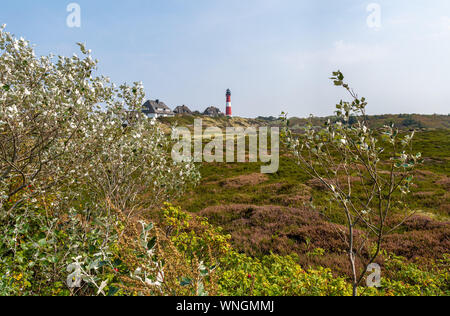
366, 172
75, 149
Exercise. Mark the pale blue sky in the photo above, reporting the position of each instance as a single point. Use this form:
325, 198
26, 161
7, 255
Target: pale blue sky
275, 55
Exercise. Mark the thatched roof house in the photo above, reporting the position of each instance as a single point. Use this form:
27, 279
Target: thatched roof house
213, 112
155, 109
182, 110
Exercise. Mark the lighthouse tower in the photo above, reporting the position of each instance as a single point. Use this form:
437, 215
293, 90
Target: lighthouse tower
229, 111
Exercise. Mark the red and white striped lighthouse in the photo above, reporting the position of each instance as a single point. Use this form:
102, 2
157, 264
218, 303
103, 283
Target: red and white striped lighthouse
228, 110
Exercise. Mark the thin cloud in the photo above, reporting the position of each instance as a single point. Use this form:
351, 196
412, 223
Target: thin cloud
355, 53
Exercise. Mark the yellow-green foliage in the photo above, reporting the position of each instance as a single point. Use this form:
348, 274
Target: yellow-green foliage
198, 260
408, 279
276, 275
194, 236
240, 275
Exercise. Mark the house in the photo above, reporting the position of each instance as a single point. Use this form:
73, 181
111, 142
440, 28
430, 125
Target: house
182, 110
213, 112
156, 109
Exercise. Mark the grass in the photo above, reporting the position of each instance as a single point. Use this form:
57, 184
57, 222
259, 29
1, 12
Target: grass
402, 121
429, 193
253, 209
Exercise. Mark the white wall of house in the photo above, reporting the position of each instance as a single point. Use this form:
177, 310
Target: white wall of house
155, 115
152, 115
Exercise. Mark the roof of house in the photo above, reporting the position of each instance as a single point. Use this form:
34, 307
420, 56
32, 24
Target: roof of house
156, 106
213, 111
182, 110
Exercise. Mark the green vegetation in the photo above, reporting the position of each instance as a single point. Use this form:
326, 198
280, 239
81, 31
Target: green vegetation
84, 202
401, 121
266, 214
271, 214
213, 189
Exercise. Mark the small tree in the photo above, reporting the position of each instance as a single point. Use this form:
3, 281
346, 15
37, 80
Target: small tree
366, 179
68, 164
61, 131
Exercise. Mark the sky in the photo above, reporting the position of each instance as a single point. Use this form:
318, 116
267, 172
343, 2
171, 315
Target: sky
275, 55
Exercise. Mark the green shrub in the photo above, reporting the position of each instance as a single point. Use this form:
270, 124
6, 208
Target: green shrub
36, 247
276, 275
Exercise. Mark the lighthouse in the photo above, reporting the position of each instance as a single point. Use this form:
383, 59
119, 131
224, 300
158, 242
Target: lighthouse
228, 110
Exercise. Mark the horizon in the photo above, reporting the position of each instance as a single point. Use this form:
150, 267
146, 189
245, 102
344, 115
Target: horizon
369, 115
275, 56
